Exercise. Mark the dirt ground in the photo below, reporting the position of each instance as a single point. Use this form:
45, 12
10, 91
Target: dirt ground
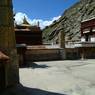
56, 78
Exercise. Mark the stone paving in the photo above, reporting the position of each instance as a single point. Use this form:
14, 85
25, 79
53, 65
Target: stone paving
57, 78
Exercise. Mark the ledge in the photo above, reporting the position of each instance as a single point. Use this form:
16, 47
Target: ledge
3, 57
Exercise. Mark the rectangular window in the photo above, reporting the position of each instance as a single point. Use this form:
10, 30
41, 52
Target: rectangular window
93, 30
86, 30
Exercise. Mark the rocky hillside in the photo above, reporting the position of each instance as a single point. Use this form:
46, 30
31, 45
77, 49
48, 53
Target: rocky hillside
71, 20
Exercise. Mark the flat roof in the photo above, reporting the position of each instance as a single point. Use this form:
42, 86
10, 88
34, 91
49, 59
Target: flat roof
88, 19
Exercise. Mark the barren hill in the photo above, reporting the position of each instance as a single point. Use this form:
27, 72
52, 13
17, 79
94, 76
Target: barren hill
71, 19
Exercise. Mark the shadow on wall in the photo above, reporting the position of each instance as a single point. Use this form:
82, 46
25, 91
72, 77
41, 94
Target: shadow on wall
33, 65
21, 90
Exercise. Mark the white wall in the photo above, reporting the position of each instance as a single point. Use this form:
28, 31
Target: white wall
92, 39
83, 39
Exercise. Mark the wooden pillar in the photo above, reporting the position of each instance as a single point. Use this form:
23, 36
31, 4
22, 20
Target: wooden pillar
62, 39
82, 54
62, 44
3, 61
7, 41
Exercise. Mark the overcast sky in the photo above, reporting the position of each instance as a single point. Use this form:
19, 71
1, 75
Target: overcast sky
44, 11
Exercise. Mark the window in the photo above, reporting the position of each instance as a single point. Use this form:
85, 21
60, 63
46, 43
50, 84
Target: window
93, 30
86, 30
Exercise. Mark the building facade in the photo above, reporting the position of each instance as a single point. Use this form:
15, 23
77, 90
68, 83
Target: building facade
85, 48
27, 34
88, 30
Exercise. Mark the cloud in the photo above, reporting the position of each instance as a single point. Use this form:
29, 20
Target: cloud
43, 23
19, 18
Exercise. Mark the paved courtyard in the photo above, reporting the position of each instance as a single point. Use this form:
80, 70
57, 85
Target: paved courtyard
58, 78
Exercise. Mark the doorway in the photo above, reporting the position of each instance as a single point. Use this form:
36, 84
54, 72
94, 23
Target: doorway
2, 76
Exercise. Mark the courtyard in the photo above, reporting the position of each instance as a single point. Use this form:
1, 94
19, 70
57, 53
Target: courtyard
69, 77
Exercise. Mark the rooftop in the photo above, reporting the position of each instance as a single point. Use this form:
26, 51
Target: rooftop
88, 19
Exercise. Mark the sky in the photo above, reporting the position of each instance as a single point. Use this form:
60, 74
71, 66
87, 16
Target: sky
44, 11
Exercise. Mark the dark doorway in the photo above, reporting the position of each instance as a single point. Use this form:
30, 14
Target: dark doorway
2, 76
87, 37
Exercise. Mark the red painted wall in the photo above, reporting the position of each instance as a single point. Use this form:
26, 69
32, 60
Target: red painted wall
89, 24
28, 37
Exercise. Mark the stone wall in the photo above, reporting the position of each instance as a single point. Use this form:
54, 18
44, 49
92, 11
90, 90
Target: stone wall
80, 53
43, 54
